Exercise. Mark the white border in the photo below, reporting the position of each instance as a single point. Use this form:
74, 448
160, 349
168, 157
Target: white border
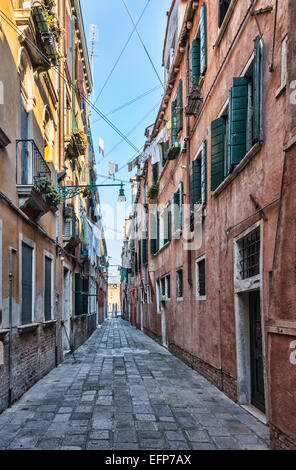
198, 260
48, 255
30, 243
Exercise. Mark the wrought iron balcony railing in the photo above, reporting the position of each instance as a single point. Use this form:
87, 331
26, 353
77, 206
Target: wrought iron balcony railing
30, 164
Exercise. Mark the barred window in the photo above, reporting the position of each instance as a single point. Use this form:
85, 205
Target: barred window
249, 249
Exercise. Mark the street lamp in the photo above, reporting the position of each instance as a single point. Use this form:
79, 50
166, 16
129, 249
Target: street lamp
121, 197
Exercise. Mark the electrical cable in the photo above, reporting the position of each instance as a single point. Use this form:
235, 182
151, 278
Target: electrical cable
129, 102
121, 53
142, 42
91, 105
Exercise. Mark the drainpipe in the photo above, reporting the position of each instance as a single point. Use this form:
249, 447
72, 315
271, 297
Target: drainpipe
61, 90
189, 257
11, 251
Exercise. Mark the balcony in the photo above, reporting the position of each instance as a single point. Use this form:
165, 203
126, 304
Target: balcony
75, 144
71, 237
38, 31
174, 151
37, 194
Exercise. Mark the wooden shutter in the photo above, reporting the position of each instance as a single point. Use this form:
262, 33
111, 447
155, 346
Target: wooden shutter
169, 222
84, 297
27, 284
181, 204
174, 123
257, 84
196, 168
217, 152
153, 233
203, 39
204, 173
165, 149
179, 106
139, 255
238, 119
157, 230
145, 250
155, 172
47, 289
195, 62
78, 298
176, 219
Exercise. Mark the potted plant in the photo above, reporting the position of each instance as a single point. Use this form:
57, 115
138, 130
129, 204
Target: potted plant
49, 192
153, 191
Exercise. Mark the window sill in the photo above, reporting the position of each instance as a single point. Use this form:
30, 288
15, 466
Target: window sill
27, 328
201, 298
3, 333
76, 317
180, 299
281, 90
224, 25
48, 323
238, 169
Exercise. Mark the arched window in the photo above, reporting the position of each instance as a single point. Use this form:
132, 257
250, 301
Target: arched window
26, 79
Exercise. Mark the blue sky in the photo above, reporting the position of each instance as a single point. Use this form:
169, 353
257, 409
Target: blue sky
133, 76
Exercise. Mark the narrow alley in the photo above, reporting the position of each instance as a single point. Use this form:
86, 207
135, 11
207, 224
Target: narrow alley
127, 392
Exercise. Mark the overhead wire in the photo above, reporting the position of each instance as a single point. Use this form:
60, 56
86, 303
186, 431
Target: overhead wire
142, 42
91, 105
128, 103
121, 53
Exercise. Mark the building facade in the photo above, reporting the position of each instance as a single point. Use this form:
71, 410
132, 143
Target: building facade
53, 256
212, 219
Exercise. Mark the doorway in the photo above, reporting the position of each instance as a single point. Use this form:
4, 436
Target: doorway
66, 330
256, 352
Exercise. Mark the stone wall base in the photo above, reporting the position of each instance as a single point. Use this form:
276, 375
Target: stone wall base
279, 440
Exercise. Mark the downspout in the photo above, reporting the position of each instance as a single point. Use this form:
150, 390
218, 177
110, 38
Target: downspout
189, 257
11, 251
61, 88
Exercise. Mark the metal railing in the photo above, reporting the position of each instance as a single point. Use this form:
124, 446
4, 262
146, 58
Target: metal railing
30, 164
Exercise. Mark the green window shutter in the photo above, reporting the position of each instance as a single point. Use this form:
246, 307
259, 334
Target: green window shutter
174, 123
84, 297
257, 84
155, 172
217, 152
181, 204
195, 62
153, 233
204, 173
78, 298
169, 222
238, 119
139, 255
203, 39
180, 106
144, 251
176, 202
196, 167
165, 149
191, 187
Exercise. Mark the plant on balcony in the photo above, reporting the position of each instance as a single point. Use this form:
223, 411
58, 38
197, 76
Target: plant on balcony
68, 212
174, 150
77, 144
50, 192
153, 191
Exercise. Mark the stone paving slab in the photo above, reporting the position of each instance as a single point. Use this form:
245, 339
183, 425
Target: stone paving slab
126, 392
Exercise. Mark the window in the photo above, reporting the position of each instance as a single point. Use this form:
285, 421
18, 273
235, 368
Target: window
249, 254
223, 8
198, 177
179, 283
27, 284
178, 209
165, 287
198, 53
168, 286
155, 171
154, 238
165, 226
201, 278
239, 127
47, 289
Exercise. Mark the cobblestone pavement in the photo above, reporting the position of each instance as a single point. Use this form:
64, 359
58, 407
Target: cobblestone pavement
126, 392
